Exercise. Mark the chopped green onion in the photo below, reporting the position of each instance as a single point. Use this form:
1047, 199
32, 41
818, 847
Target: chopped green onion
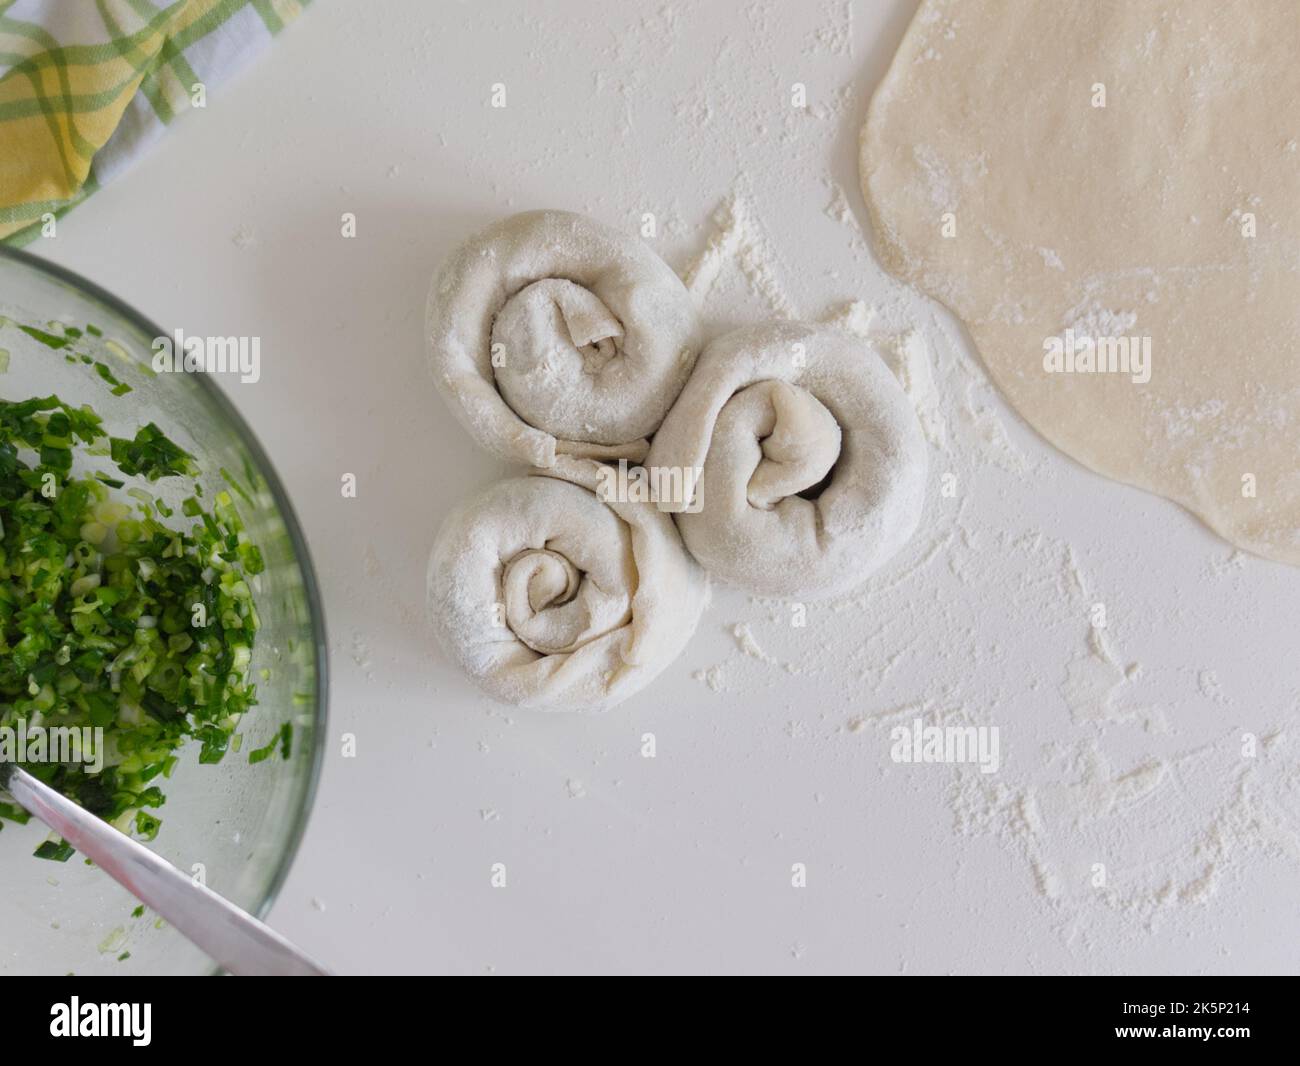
99, 608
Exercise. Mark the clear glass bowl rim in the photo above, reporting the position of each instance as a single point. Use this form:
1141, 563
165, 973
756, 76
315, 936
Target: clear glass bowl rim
285, 509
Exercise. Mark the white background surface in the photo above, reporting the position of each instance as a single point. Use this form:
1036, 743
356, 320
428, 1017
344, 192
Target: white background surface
683, 862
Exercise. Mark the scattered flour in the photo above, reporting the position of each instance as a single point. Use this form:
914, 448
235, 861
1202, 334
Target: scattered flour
739, 240
854, 316
837, 206
1093, 320
1208, 683
746, 643
361, 656
912, 365
711, 678
835, 35
1106, 835
1051, 259
749, 647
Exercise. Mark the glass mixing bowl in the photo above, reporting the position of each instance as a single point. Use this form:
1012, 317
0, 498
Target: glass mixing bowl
237, 823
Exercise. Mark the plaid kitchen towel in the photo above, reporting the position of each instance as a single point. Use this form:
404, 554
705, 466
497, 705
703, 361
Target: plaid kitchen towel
87, 85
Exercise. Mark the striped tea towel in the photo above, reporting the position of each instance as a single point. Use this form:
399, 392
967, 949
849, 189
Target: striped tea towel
87, 85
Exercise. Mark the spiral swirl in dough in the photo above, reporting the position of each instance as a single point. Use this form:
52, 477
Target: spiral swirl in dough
550, 333
813, 463
550, 598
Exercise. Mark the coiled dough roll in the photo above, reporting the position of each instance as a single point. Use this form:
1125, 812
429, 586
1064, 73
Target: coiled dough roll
550, 333
550, 598
813, 463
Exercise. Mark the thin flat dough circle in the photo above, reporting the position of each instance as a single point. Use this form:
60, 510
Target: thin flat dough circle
1131, 219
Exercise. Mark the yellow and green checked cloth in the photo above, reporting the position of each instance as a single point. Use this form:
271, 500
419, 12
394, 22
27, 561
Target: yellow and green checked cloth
87, 85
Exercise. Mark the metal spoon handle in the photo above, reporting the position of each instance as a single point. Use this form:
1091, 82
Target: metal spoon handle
236, 940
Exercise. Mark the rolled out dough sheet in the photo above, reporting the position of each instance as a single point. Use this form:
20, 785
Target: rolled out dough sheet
1095, 175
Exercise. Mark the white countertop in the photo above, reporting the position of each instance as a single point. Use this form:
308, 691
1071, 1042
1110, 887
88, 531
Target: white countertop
683, 862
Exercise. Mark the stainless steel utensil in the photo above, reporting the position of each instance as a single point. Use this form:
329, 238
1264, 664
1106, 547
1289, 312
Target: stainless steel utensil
234, 939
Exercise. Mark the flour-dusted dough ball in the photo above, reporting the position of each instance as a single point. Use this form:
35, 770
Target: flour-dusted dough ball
551, 598
812, 466
550, 333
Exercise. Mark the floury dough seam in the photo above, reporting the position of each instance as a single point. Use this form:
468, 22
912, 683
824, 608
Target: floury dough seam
553, 591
